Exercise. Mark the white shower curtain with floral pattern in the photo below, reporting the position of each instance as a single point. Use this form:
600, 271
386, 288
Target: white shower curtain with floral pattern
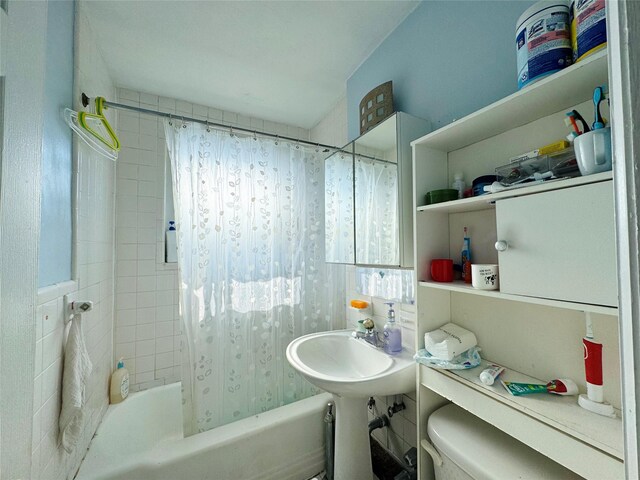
250, 228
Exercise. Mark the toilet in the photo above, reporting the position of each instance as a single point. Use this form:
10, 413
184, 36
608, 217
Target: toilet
468, 448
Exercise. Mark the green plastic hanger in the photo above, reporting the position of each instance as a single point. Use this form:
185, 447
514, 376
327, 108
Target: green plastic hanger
113, 142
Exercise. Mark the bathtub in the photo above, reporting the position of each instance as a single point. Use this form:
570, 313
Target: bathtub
141, 439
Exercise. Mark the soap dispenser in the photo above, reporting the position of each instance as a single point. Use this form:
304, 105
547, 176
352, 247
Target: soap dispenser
392, 333
119, 389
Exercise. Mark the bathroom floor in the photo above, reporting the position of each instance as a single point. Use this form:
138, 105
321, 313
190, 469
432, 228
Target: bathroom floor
385, 467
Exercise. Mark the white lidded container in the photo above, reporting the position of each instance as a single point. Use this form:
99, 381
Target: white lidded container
471, 449
543, 41
588, 27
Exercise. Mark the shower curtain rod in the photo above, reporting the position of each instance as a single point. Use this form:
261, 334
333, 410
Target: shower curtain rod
120, 106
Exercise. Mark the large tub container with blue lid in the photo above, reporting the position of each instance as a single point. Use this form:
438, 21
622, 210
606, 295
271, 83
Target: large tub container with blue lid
468, 448
543, 41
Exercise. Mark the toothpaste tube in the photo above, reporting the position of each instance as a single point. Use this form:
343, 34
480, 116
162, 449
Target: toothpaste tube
518, 389
562, 386
489, 374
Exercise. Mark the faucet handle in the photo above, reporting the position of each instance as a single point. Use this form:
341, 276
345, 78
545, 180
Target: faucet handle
368, 325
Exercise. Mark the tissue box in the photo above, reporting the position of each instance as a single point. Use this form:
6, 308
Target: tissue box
449, 341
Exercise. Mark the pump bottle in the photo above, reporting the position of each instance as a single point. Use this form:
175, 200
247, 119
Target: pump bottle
392, 333
119, 389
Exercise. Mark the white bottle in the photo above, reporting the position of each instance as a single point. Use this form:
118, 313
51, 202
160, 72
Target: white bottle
458, 184
488, 375
171, 246
119, 389
392, 333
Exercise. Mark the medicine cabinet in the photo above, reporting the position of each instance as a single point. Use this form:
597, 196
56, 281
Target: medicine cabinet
368, 196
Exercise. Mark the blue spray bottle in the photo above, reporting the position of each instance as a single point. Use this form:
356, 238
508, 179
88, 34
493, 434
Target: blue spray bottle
466, 258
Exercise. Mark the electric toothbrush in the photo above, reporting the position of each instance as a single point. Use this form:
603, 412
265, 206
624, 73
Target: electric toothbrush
598, 96
594, 399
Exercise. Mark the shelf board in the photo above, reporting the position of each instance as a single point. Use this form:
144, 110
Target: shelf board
589, 442
485, 202
555, 93
461, 287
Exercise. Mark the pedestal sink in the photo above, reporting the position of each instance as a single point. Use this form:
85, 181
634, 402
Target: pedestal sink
352, 370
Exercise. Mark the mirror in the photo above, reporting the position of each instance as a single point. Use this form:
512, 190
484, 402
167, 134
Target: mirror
376, 209
368, 196
338, 208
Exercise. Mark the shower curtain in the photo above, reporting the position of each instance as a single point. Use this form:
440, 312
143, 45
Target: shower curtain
250, 228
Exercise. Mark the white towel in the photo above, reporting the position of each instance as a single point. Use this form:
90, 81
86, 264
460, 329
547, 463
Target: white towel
77, 368
449, 341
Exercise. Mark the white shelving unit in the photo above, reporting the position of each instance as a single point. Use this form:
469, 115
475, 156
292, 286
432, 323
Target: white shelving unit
535, 338
488, 201
552, 425
556, 93
461, 287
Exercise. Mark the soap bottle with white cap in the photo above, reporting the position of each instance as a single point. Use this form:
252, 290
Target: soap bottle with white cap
458, 184
119, 389
392, 333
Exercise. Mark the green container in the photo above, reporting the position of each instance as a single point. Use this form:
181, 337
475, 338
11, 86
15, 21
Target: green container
439, 196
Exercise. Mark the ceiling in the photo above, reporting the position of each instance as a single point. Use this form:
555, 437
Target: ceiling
284, 61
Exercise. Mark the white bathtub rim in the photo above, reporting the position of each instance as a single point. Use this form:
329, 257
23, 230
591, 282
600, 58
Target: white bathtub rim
166, 431
164, 451
114, 409
311, 463
245, 428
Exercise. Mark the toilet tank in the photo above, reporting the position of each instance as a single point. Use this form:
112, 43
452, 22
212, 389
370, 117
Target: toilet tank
472, 449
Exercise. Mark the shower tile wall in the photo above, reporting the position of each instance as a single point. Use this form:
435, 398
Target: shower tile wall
147, 332
93, 260
401, 434
147, 328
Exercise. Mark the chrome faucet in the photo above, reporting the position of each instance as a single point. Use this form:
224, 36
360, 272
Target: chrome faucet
371, 336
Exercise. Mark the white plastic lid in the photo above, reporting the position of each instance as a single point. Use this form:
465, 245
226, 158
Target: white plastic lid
485, 452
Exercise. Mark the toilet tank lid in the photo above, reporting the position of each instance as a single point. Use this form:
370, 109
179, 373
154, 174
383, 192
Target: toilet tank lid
485, 452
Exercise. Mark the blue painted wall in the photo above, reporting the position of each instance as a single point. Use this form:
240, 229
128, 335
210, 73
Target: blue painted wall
446, 60
55, 231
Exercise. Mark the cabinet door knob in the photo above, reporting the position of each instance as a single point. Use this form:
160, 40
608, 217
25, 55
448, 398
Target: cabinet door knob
501, 245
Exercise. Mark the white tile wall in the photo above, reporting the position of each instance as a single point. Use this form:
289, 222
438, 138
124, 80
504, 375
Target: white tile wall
147, 326
146, 288
93, 264
48, 375
401, 434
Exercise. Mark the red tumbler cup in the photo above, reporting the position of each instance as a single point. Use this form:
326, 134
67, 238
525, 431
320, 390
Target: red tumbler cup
442, 270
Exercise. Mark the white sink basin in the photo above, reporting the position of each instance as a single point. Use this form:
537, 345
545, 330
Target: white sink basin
350, 367
352, 370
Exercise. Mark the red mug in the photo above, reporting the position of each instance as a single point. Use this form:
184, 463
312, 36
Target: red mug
442, 270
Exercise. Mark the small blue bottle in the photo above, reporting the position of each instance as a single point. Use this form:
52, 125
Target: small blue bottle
392, 333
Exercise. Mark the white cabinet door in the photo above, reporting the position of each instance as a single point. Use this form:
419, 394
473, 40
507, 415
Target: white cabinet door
561, 245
